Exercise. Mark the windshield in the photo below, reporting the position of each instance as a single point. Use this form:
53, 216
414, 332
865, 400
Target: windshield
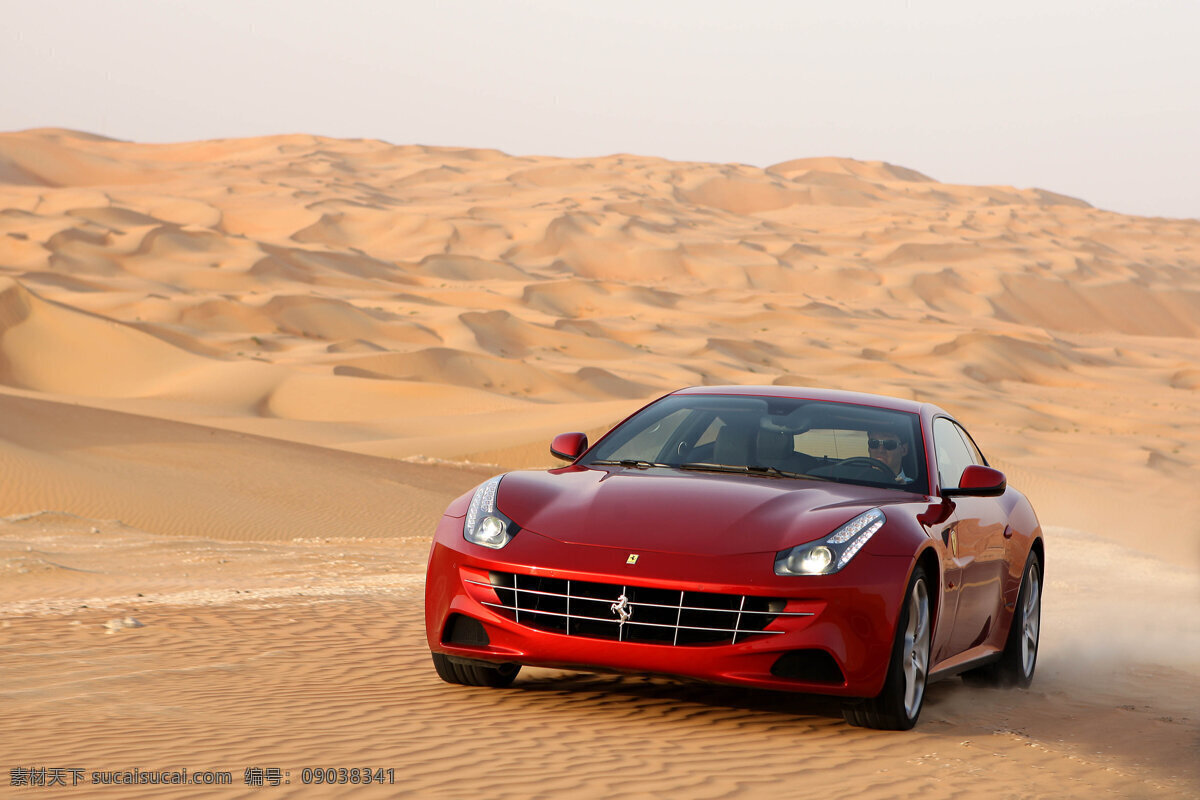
774, 436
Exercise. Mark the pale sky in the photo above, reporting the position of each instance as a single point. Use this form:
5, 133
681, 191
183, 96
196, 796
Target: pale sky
1099, 99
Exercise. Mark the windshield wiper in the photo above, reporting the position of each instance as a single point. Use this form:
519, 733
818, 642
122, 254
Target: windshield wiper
774, 472
632, 462
704, 467
785, 473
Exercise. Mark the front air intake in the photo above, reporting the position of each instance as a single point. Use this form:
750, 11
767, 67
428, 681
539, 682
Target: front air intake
633, 613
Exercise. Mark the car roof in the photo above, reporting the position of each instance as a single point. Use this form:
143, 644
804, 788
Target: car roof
827, 395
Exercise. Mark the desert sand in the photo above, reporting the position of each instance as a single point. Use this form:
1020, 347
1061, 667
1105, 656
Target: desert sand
240, 380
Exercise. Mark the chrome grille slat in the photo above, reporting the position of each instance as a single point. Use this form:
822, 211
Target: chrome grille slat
678, 619
628, 622
671, 606
642, 614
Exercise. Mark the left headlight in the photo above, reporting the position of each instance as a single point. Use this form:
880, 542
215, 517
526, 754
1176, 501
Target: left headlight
484, 524
830, 554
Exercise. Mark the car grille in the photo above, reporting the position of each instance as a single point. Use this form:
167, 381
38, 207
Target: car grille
633, 613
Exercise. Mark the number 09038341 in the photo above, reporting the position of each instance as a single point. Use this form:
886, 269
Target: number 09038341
342, 775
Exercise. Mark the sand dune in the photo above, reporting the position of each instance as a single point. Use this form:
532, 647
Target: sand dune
196, 481
228, 346
55, 348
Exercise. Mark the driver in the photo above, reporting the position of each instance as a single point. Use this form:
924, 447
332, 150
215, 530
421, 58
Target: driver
887, 447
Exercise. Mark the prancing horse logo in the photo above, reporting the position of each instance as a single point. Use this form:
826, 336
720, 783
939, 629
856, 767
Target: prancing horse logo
621, 608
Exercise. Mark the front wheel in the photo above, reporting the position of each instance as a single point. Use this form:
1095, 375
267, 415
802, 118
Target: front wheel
474, 673
897, 707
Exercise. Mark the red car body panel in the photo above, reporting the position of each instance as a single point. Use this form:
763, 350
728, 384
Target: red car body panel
855, 614
720, 533
708, 512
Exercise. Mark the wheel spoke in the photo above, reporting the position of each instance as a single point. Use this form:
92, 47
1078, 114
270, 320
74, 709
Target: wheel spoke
1031, 620
916, 648
910, 688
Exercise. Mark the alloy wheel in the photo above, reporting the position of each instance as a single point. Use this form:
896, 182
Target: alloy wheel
1031, 620
916, 648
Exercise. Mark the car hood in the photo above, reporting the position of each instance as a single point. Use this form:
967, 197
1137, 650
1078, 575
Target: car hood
673, 511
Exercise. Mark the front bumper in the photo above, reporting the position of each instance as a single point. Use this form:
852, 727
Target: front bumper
852, 618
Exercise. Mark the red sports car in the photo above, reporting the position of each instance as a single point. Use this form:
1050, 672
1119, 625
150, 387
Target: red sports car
797, 539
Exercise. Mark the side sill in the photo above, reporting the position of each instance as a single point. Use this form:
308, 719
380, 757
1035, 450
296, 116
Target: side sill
942, 673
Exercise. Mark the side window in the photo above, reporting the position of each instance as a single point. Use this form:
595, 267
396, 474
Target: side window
951, 452
976, 456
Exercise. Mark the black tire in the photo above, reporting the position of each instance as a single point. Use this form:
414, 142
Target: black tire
1019, 658
898, 706
475, 673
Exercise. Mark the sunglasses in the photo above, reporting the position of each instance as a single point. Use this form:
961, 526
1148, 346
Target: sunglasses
886, 444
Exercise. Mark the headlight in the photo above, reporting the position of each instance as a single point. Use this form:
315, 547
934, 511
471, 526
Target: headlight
830, 554
484, 524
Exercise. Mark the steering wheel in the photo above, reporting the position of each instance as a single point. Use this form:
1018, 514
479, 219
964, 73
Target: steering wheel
871, 463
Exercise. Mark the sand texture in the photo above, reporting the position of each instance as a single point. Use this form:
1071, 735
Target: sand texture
240, 380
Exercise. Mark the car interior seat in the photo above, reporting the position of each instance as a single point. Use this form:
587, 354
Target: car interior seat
774, 448
732, 445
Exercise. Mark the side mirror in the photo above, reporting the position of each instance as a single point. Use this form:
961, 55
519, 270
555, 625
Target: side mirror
979, 481
568, 446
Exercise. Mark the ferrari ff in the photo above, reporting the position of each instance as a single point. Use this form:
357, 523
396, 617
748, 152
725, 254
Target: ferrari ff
783, 538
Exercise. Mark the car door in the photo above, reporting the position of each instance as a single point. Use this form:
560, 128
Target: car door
979, 547
949, 460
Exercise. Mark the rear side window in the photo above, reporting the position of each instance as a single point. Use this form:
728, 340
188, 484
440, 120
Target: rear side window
827, 443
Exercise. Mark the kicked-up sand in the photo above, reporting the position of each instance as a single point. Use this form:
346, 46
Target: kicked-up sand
239, 381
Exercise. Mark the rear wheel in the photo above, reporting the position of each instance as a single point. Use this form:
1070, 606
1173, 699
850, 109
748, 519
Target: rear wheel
897, 707
1019, 658
474, 673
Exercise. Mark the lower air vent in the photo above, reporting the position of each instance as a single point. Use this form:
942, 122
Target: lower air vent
810, 666
464, 630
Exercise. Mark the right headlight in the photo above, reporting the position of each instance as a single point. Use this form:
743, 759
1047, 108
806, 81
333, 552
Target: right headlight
484, 525
828, 555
